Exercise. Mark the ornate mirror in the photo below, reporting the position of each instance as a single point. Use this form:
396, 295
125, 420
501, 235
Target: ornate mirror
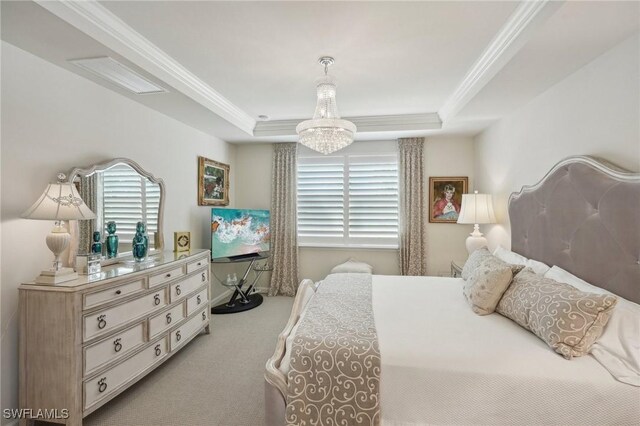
120, 191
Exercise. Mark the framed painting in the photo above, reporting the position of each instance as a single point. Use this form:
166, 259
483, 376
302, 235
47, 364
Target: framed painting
445, 198
213, 183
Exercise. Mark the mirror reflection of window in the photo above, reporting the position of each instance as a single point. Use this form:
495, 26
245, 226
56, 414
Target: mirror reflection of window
127, 198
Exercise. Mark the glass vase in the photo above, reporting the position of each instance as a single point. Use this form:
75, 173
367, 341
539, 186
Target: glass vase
140, 243
111, 241
96, 247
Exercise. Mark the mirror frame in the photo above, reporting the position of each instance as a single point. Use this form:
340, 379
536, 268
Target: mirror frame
77, 171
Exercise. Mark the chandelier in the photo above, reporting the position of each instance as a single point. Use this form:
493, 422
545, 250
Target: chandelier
326, 132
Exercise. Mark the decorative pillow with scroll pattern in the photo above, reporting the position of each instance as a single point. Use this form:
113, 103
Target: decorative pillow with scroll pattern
481, 255
568, 320
486, 285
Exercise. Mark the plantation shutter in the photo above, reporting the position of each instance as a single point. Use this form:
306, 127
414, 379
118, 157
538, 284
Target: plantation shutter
129, 198
321, 200
348, 200
373, 199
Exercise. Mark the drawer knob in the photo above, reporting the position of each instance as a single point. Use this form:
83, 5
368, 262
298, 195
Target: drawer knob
168, 276
102, 321
204, 277
118, 291
102, 385
178, 290
204, 316
178, 336
156, 299
199, 263
117, 346
158, 350
199, 299
169, 318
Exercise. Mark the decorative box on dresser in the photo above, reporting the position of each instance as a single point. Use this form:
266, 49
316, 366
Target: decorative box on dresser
83, 342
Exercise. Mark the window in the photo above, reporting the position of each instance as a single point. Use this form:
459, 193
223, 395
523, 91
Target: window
129, 198
348, 200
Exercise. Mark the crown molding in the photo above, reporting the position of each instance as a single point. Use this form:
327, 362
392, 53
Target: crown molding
507, 42
372, 123
99, 23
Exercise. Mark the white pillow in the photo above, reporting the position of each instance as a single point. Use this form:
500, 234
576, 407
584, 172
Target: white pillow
353, 266
509, 256
517, 259
618, 349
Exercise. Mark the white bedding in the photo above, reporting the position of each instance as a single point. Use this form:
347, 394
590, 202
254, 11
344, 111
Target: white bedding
442, 364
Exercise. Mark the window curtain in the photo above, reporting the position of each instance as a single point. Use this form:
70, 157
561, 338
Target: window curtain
412, 212
82, 230
284, 232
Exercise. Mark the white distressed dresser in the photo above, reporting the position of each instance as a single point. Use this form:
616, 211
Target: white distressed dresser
85, 341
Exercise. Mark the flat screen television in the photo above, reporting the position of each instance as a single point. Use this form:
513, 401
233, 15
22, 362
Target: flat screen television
238, 233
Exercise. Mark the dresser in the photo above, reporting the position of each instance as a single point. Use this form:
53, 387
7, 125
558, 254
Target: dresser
83, 342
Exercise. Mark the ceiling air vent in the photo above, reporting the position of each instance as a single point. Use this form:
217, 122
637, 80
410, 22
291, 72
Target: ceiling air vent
113, 71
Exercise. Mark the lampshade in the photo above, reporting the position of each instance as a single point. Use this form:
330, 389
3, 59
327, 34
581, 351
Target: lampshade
326, 132
476, 208
60, 201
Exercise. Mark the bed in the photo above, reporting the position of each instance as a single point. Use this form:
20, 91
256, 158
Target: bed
433, 361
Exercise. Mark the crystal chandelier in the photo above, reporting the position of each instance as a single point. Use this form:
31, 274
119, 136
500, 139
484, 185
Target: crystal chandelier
326, 132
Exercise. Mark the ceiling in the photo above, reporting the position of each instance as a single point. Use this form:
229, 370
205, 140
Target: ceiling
402, 67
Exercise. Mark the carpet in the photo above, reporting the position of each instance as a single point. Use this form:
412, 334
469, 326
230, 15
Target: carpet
216, 379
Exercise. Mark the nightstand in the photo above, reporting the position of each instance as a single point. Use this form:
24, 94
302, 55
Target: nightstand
456, 268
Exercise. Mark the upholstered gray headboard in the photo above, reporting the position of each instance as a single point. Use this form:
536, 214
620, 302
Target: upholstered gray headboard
583, 216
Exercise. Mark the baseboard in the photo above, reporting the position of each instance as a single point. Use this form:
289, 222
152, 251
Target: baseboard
223, 297
263, 290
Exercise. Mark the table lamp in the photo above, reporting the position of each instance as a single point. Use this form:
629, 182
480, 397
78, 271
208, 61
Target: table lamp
60, 201
476, 208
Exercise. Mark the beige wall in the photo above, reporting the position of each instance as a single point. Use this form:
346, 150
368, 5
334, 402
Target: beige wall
447, 156
53, 120
443, 157
595, 111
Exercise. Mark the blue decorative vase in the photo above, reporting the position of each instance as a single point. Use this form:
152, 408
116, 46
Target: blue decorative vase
96, 247
112, 240
140, 243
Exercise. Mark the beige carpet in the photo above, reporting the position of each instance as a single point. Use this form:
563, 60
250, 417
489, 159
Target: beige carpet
215, 380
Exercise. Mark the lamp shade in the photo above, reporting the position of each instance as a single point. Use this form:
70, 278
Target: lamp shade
476, 208
59, 201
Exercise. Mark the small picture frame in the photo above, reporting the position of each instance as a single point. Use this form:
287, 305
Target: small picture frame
445, 198
213, 183
181, 241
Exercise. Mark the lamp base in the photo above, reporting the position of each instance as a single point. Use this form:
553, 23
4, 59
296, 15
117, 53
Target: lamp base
56, 277
475, 240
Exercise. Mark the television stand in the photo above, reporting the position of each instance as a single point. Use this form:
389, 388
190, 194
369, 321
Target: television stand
241, 300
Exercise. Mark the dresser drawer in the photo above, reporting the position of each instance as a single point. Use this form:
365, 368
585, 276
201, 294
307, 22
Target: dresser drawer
112, 347
197, 264
108, 319
165, 320
97, 298
188, 329
111, 380
191, 284
165, 276
197, 301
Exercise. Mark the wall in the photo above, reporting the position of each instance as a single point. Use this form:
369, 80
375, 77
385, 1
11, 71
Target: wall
447, 156
594, 111
444, 156
53, 120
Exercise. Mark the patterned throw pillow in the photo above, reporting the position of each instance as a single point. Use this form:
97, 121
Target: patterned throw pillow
481, 255
486, 285
568, 320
